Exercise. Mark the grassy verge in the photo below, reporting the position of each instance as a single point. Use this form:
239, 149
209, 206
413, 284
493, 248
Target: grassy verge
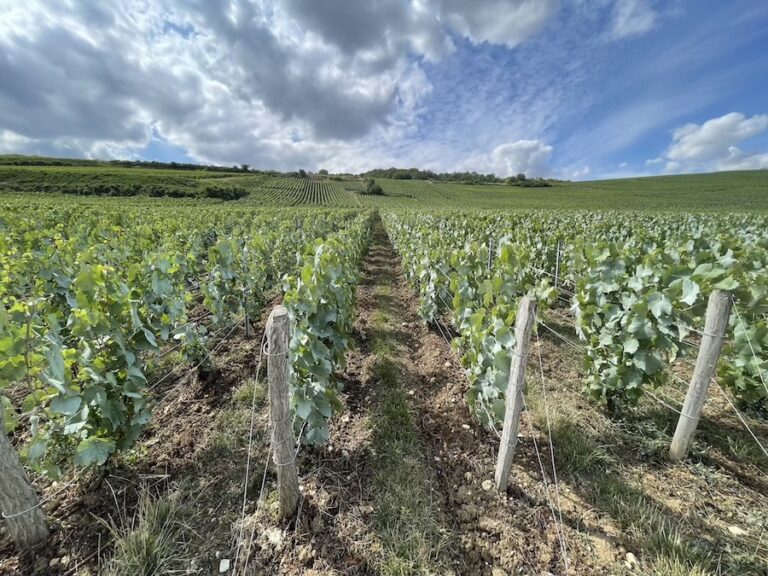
617, 468
408, 516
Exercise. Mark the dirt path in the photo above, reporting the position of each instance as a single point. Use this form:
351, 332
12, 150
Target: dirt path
405, 485
375, 501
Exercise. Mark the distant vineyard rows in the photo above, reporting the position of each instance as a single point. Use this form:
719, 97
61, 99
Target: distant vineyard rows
281, 191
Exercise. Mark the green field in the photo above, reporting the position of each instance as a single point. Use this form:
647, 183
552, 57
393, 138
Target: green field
722, 191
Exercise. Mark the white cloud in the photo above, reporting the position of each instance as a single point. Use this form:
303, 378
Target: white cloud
713, 145
507, 22
632, 18
580, 173
530, 157
277, 84
715, 138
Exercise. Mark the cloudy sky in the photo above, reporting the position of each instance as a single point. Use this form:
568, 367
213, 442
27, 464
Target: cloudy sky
575, 89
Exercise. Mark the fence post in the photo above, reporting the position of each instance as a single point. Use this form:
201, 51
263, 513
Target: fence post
490, 252
283, 441
526, 316
19, 503
718, 312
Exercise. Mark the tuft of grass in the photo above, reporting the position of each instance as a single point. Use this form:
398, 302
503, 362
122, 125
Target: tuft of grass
575, 451
243, 394
229, 434
155, 541
663, 566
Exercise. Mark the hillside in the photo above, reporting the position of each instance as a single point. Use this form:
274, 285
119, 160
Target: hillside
720, 191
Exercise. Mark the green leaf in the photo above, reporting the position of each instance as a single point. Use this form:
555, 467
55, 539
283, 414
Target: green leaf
11, 418
690, 291
66, 405
94, 451
659, 305
729, 283
631, 345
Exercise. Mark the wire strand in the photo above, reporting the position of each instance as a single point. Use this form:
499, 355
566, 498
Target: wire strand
552, 453
563, 338
749, 341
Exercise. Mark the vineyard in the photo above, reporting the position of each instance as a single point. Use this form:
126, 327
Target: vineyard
636, 288
137, 342
298, 191
79, 181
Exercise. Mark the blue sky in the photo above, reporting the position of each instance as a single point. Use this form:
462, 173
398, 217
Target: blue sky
576, 89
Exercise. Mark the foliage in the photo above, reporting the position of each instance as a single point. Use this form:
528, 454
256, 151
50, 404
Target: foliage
225, 193
320, 298
640, 286
93, 292
371, 187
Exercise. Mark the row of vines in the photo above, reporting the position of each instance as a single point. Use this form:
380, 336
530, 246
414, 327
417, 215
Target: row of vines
287, 191
636, 286
94, 294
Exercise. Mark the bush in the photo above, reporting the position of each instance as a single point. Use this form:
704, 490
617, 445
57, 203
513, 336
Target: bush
230, 193
371, 187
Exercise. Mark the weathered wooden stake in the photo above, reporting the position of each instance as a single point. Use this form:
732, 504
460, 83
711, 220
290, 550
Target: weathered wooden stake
526, 316
19, 503
283, 441
718, 311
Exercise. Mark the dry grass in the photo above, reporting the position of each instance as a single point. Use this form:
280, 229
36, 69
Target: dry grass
157, 540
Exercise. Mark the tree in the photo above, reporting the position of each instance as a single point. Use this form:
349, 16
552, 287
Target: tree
371, 187
521, 177
324, 172
244, 167
302, 173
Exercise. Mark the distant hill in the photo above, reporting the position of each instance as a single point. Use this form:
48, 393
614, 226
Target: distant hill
22, 160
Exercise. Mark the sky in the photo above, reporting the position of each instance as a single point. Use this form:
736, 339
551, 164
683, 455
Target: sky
571, 89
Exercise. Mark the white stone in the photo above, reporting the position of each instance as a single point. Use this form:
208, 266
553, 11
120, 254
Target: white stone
736, 531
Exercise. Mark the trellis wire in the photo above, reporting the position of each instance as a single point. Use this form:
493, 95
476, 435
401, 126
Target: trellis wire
563, 338
552, 453
263, 351
544, 476
749, 341
40, 502
196, 366
743, 421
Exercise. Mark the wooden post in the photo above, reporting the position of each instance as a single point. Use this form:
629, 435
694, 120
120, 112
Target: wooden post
526, 316
19, 503
247, 318
718, 312
283, 442
490, 253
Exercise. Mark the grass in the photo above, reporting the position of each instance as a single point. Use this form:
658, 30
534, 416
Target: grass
245, 393
156, 540
721, 191
407, 517
597, 458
